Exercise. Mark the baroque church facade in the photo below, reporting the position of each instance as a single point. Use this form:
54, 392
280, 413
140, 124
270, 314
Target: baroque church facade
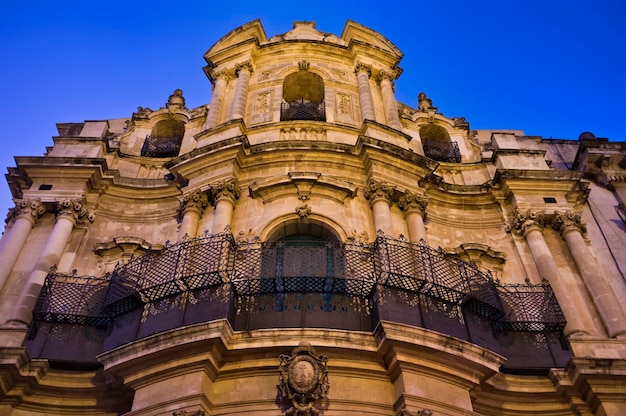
305, 244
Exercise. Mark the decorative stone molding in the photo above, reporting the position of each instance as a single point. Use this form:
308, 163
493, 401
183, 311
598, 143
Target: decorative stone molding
303, 211
303, 379
304, 65
375, 191
197, 201
360, 66
524, 221
75, 209
227, 189
32, 209
244, 65
568, 221
411, 202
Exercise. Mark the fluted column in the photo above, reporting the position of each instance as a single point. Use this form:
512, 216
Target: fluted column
611, 312
530, 226
414, 207
25, 214
363, 73
226, 193
243, 72
389, 100
192, 207
217, 101
379, 195
70, 212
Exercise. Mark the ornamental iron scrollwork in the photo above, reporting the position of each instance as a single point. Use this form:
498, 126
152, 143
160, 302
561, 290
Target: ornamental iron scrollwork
303, 379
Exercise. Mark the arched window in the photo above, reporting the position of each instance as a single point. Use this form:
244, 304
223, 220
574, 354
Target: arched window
437, 144
303, 97
164, 140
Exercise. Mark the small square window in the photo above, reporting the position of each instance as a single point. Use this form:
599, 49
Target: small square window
549, 200
45, 187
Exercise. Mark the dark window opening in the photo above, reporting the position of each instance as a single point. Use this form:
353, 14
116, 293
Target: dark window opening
164, 140
45, 187
549, 200
303, 97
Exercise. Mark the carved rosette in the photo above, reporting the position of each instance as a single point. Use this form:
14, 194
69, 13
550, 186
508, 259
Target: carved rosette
523, 222
303, 379
31, 209
245, 66
413, 202
227, 189
360, 66
75, 209
568, 221
195, 201
375, 191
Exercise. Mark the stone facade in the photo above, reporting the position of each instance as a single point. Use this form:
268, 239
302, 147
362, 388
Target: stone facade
305, 244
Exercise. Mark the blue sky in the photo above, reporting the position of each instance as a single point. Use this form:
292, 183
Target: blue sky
550, 68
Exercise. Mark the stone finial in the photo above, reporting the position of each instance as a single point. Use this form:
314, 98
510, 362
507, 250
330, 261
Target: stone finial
360, 66
197, 200
568, 221
423, 102
377, 190
75, 209
176, 99
524, 221
226, 189
411, 202
32, 209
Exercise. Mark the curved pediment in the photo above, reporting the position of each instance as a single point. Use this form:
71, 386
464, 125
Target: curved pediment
303, 185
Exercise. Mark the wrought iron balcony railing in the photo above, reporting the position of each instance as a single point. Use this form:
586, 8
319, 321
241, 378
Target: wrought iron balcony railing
442, 151
248, 270
302, 110
161, 146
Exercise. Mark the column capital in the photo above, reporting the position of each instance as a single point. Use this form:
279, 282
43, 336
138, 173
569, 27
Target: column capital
525, 222
376, 190
31, 209
410, 202
74, 209
567, 221
194, 201
222, 75
226, 189
386, 75
361, 67
243, 66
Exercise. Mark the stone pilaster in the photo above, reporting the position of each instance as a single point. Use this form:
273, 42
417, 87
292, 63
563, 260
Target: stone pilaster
225, 193
243, 72
572, 230
363, 73
24, 216
389, 100
69, 213
379, 194
217, 102
192, 207
414, 207
530, 225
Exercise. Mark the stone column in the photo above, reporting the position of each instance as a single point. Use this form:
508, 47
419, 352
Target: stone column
379, 195
217, 102
414, 207
572, 230
70, 212
225, 193
25, 214
191, 208
243, 72
363, 73
389, 100
530, 226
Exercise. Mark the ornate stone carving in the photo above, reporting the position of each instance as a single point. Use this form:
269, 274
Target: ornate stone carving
176, 99
360, 66
386, 75
188, 413
410, 202
524, 221
226, 189
344, 104
75, 209
567, 221
377, 190
29, 208
423, 102
304, 65
359, 238
303, 211
197, 200
245, 65
303, 380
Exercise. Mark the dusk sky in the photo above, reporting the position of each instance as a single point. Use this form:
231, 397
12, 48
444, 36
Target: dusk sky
549, 68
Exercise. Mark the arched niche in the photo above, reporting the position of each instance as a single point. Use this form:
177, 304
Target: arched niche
437, 144
164, 139
303, 96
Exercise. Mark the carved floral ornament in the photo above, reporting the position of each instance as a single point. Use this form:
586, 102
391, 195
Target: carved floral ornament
28, 208
75, 209
303, 379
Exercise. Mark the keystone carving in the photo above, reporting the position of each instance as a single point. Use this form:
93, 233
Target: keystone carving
75, 209
523, 221
194, 201
378, 190
410, 202
303, 211
32, 209
226, 189
304, 65
303, 379
567, 221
